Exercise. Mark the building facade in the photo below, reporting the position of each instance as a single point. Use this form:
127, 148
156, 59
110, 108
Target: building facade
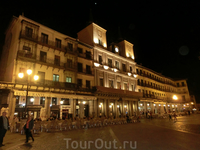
79, 77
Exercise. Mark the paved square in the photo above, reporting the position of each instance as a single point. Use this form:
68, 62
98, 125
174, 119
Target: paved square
153, 134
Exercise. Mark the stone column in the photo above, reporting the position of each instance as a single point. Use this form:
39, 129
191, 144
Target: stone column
115, 108
145, 107
137, 110
122, 108
47, 106
108, 107
97, 104
11, 105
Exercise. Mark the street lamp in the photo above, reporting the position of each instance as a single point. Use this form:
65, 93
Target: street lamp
36, 77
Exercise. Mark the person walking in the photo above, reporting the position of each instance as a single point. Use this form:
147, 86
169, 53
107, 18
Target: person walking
175, 119
4, 126
28, 127
170, 117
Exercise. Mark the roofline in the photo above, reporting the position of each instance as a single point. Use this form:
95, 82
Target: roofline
159, 73
10, 23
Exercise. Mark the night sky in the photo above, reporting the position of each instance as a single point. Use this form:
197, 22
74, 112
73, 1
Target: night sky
166, 35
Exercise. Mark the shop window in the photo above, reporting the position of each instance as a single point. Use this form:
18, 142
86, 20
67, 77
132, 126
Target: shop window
54, 101
42, 100
65, 101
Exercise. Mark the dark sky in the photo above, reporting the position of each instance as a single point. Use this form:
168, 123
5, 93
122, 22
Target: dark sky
166, 35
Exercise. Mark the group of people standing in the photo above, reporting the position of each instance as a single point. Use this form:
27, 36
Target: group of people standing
4, 126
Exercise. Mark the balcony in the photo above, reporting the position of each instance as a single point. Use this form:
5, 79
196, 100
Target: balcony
149, 96
71, 66
86, 56
50, 62
58, 85
32, 37
23, 54
87, 72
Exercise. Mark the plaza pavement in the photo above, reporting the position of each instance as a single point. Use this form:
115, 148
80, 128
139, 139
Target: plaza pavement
155, 134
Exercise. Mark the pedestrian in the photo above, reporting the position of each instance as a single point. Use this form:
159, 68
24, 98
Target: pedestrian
146, 114
4, 126
175, 119
28, 127
150, 115
188, 112
170, 117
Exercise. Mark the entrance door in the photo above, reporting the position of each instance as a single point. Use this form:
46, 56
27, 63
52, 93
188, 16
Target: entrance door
86, 110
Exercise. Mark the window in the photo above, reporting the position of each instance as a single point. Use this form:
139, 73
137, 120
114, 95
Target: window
110, 83
17, 100
124, 67
57, 60
65, 101
29, 32
69, 63
79, 82
70, 47
125, 86
101, 81
88, 55
42, 100
139, 90
41, 76
177, 84
44, 38
80, 67
43, 56
132, 88
100, 59
58, 43
142, 82
88, 70
118, 85
110, 63
138, 81
80, 50
137, 71
183, 84
183, 97
117, 64
56, 77
69, 79
26, 49
29, 101
54, 101
131, 69
100, 43
87, 84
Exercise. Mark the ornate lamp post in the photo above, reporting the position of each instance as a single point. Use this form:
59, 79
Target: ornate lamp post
36, 77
